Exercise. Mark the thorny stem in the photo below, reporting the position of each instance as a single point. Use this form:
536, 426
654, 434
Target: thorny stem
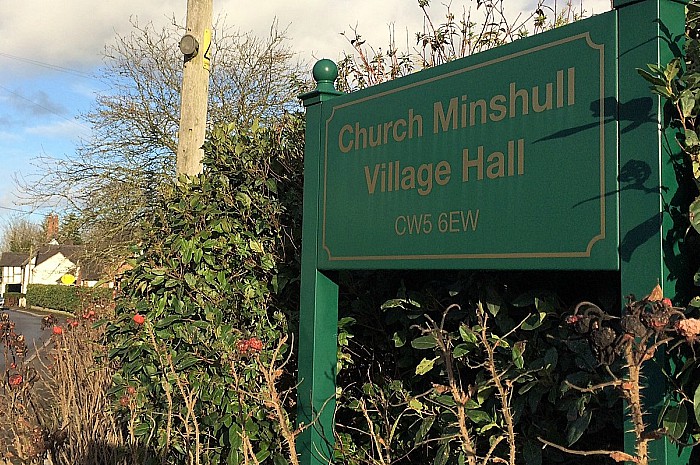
618, 456
503, 393
632, 392
168, 395
376, 438
460, 398
271, 375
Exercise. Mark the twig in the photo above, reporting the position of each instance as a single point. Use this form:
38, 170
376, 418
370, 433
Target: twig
616, 455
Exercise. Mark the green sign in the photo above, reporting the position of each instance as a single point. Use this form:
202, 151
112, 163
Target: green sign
527, 156
505, 160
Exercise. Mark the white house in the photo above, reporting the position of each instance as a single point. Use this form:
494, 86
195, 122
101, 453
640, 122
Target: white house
12, 266
50, 264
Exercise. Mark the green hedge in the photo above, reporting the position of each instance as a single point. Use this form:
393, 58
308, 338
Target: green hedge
65, 298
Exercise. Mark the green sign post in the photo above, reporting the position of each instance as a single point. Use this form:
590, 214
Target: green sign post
546, 153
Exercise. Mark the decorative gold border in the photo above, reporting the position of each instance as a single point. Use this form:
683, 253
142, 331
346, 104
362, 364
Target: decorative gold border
584, 254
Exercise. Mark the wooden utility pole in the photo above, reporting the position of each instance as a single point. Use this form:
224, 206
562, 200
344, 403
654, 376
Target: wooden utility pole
195, 46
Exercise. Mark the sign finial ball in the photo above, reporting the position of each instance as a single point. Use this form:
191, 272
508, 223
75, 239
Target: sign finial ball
325, 71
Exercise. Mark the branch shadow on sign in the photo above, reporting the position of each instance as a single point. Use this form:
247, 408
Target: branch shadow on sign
635, 174
636, 112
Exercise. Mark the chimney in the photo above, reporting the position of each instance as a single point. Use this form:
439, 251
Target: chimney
51, 226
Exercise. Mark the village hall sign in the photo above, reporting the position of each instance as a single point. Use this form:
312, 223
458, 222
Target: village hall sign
549, 153
508, 159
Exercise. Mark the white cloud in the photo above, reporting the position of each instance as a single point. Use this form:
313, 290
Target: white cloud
64, 129
73, 33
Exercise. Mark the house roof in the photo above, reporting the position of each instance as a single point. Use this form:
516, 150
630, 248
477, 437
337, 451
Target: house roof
90, 270
13, 258
71, 252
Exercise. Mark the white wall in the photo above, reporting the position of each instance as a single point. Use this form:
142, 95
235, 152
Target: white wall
51, 271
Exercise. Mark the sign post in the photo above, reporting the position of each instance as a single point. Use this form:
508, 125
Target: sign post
545, 154
650, 32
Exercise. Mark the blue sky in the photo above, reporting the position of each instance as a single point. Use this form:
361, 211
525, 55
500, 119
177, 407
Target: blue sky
51, 50
38, 115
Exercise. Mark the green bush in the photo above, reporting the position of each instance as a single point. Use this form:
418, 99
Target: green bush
203, 311
65, 298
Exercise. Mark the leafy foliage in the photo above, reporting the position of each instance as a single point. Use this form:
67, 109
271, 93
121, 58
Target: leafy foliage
66, 298
455, 36
212, 290
468, 369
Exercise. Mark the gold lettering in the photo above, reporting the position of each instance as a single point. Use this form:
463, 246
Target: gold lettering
408, 178
425, 179
536, 106
560, 89
571, 86
478, 164
439, 116
399, 137
360, 132
375, 142
496, 168
343, 130
524, 98
472, 111
443, 172
418, 119
387, 126
371, 183
499, 108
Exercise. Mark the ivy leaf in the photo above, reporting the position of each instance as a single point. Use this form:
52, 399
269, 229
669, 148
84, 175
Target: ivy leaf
399, 339
256, 246
461, 350
695, 214
650, 77
675, 420
424, 342
534, 321
467, 334
532, 453
478, 416
687, 104
425, 365
425, 426
517, 354
415, 404
443, 454
696, 404
578, 427
243, 198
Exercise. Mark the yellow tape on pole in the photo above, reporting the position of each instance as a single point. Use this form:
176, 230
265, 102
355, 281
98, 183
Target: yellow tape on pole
206, 45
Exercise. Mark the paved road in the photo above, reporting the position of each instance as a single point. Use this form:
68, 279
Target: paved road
28, 324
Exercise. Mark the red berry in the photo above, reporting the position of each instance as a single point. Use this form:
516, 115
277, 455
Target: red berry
131, 390
57, 330
667, 302
16, 379
255, 344
243, 346
139, 319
